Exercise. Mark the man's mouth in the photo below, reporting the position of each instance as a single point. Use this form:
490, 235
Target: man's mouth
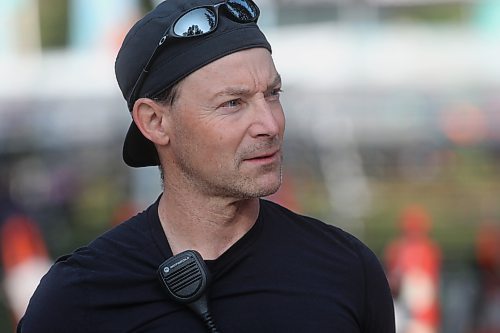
263, 157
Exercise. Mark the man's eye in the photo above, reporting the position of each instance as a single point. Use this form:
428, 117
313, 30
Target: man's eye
275, 93
232, 103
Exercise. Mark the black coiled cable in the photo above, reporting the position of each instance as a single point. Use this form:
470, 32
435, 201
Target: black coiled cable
200, 307
209, 322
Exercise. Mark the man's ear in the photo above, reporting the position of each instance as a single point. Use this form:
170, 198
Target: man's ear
151, 119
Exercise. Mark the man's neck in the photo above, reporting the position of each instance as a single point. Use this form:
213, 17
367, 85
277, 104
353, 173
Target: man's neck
207, 225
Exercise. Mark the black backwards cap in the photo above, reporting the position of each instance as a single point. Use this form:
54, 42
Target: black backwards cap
179, 58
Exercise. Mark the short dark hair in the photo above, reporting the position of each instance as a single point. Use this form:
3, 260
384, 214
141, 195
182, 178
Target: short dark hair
169, 95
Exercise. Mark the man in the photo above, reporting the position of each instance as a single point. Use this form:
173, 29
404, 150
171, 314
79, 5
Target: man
203, 91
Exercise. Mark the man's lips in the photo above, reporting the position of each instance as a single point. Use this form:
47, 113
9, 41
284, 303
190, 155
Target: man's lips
262, 156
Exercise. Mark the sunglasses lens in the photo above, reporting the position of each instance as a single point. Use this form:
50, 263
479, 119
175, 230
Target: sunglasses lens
198, 21
243, 10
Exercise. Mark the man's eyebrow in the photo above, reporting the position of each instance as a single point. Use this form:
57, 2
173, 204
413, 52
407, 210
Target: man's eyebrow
274, 84
241, 91
276, 81
233, 91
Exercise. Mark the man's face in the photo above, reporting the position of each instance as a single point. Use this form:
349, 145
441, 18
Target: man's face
227, 127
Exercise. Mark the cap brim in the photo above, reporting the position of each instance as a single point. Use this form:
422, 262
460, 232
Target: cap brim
137, 150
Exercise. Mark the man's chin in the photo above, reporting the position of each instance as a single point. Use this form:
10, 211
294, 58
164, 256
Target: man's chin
269, 188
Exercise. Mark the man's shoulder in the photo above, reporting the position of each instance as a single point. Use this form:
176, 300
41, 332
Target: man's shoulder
116, 268
275, 209
115, 250
127, 247
278, 212
129, 235
315, 230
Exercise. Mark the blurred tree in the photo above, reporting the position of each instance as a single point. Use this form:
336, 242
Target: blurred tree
436, 13
54, 23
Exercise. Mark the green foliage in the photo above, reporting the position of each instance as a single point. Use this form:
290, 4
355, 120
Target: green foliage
53, 23
437, 13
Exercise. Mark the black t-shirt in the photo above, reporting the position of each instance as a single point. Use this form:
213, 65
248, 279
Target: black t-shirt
289, 273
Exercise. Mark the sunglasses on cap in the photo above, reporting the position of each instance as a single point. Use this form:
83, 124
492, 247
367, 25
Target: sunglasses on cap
195, 22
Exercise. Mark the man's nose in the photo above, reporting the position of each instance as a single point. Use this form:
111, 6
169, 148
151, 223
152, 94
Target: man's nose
268, 119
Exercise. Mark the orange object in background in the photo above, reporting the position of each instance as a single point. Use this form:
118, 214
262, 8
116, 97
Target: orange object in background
488, 260
413, 263
24, 259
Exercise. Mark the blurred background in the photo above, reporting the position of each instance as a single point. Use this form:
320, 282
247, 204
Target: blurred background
393, 134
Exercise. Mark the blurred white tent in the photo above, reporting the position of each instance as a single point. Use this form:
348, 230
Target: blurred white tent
325, 56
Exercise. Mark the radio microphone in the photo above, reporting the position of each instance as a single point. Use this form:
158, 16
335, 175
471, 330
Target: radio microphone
185, 278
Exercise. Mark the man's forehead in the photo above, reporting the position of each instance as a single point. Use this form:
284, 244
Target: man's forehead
237, 69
